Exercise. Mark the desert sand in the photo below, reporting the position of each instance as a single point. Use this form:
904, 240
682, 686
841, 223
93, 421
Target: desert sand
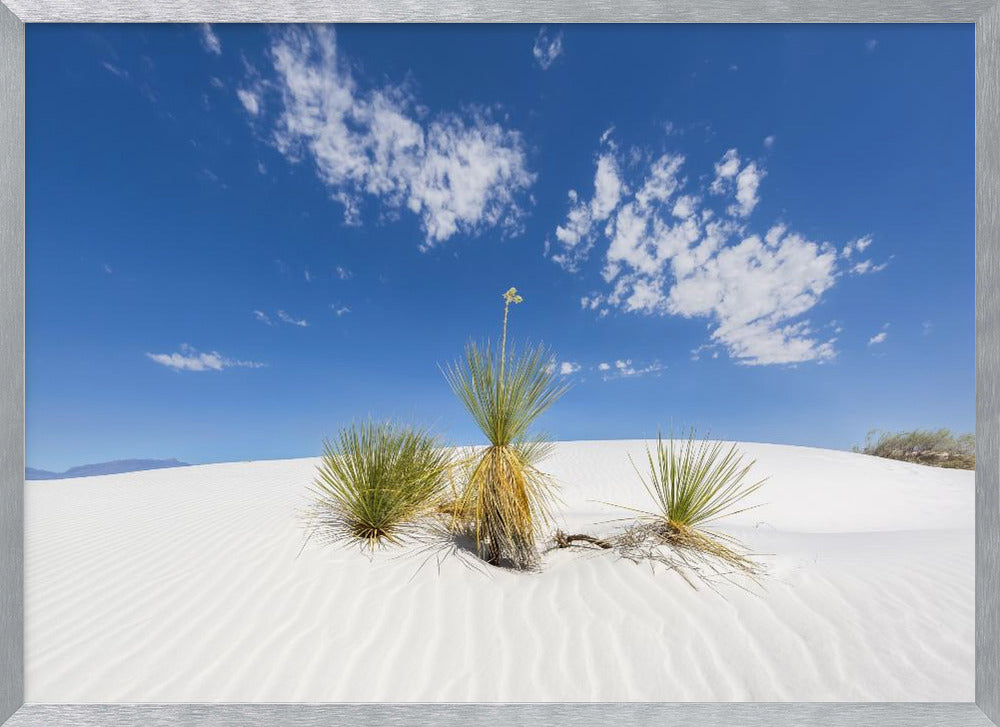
193, 585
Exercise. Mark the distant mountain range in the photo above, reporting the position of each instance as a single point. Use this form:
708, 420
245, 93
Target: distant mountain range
103, 468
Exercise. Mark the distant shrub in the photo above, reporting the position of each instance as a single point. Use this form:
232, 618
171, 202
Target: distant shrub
938, 448
375, 481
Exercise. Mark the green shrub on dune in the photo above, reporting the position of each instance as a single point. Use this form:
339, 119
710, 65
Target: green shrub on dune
376, 481
694, 484
938, 448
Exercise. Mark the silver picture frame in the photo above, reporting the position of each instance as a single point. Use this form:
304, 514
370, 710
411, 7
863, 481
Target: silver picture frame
985, 14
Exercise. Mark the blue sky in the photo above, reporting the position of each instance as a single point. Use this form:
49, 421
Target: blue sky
241, 237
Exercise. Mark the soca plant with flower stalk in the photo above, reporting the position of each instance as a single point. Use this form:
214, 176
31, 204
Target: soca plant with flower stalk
506, 497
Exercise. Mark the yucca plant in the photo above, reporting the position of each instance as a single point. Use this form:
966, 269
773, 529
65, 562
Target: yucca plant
694, 484
506, 496
375, 481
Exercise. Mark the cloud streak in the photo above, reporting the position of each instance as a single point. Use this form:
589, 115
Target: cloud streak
209, 40
189, 359
547, 48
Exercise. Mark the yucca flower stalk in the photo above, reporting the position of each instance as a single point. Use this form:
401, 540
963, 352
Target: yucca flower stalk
376, 481
507, 497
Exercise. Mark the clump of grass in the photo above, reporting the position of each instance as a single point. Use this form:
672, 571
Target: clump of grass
692, 485
506, 497
376, 481
938, 448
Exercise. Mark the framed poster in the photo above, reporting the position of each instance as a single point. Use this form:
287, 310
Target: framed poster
555, 372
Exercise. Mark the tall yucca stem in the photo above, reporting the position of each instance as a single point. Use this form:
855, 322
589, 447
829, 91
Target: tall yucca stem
503, 341
509, 297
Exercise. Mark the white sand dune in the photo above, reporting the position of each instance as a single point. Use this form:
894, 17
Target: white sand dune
189, 585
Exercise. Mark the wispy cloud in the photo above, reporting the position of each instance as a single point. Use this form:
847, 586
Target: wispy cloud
291, 320
871, 44
189, 359
281, 316
566, 368
116, 70
625, 369
307, 275
107, 269
250, 101
866, 267
458, 172
209, 40
769, 141
730, 176
547, 48
343, 273
339, 310
880, 336
676, 250
212, 177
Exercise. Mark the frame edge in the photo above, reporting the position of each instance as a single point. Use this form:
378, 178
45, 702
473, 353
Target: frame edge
11, 363
988, 363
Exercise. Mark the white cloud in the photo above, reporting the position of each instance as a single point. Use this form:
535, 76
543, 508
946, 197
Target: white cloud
747, 182
250, 101
339, 310
866, 267
547, 49
725, 169
858, 245
189, 359
769, 141
285, 318
107, 269
729, 175
567, 368
878, 338
457, 172
209, 40
674, 250
625, 369
862, 267
307, 275
263, 317
578, 232
871, 44
343, 273
685, 206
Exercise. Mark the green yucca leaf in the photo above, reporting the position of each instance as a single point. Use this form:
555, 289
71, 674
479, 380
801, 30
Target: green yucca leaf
696, 483
504, 404
375, 480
